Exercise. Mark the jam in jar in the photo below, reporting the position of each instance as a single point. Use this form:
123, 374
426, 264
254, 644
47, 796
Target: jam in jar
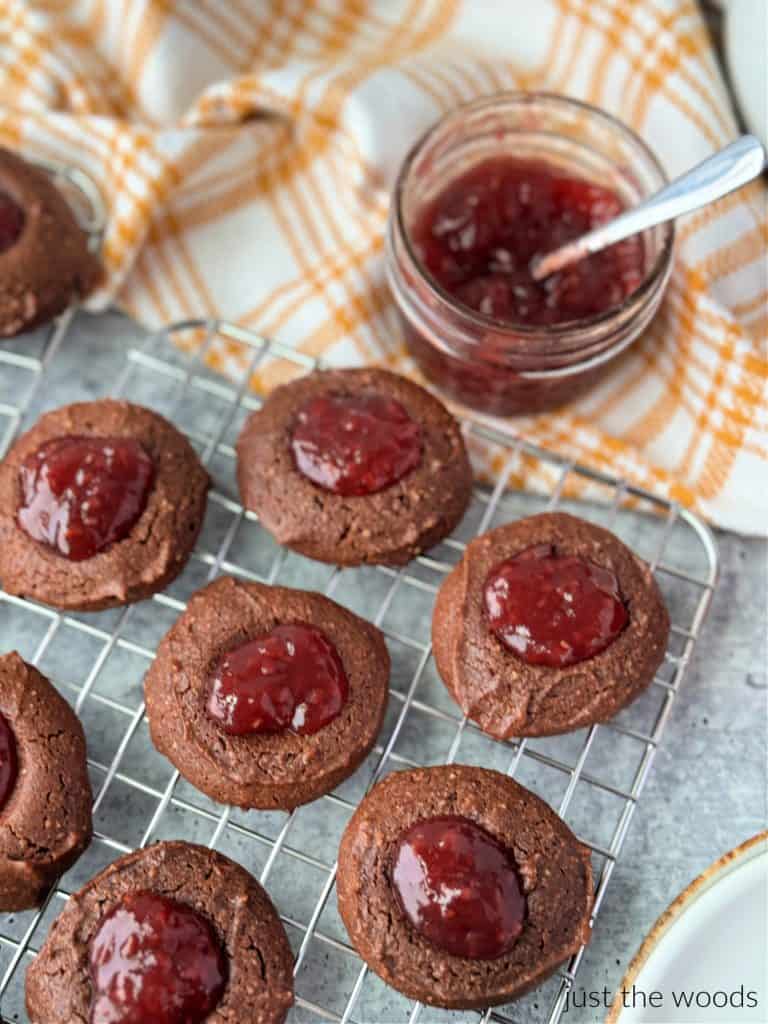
494, 184
477, 239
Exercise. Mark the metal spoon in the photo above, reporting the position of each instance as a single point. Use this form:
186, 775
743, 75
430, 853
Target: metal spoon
732, 167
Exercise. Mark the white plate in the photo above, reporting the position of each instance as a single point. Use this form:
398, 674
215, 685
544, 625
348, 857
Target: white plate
711, 944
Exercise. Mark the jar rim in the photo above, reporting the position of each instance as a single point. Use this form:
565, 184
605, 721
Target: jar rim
655, 277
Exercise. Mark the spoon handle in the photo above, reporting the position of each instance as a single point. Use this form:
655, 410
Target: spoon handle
715, 177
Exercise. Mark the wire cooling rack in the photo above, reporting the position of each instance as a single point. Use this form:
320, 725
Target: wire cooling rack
593, 777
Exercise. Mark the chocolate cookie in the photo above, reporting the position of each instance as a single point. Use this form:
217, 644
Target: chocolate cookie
354, 466
45, 262
460, 888
266, 697
100, 505
547, 625
172, 926
45, 794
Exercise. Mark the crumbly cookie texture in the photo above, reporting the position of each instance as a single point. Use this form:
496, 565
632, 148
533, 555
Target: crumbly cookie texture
505, 695
266, 770
390, 526
554, 869
260, 982
159, 544
50, 265
46, 822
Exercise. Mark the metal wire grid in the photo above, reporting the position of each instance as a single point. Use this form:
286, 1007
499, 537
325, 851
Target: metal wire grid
423, 727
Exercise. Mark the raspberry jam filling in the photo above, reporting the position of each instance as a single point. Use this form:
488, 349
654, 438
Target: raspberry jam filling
11, 221
459, 887
9, 765
478, 236
81, 494
552, 609
155, 959
355, 444
290, 679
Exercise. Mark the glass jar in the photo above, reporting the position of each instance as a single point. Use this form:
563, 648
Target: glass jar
506, 368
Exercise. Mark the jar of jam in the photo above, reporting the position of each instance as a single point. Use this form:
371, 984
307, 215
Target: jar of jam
491, 185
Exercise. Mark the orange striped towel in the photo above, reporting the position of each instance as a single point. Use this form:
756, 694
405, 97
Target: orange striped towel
245, 150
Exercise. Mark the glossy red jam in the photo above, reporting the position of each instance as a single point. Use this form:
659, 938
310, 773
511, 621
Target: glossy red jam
483, 379
291, 678
459, 887
552, 609
81, 494
9, 766
11, 221
478, 236
155, 959
355, 444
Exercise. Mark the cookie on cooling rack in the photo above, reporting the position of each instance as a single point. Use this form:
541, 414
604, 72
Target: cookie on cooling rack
547, 625
45, 262
172, 932
100, 505
264, 696
354, 466
45, 794
460, 888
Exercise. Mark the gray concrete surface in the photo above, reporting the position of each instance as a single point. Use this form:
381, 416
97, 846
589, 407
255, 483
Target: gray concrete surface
706, 792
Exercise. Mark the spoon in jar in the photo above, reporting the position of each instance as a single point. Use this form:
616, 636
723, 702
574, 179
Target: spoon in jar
715, 177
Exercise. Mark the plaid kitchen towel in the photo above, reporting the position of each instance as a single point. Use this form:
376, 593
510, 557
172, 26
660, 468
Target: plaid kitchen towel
245, 150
